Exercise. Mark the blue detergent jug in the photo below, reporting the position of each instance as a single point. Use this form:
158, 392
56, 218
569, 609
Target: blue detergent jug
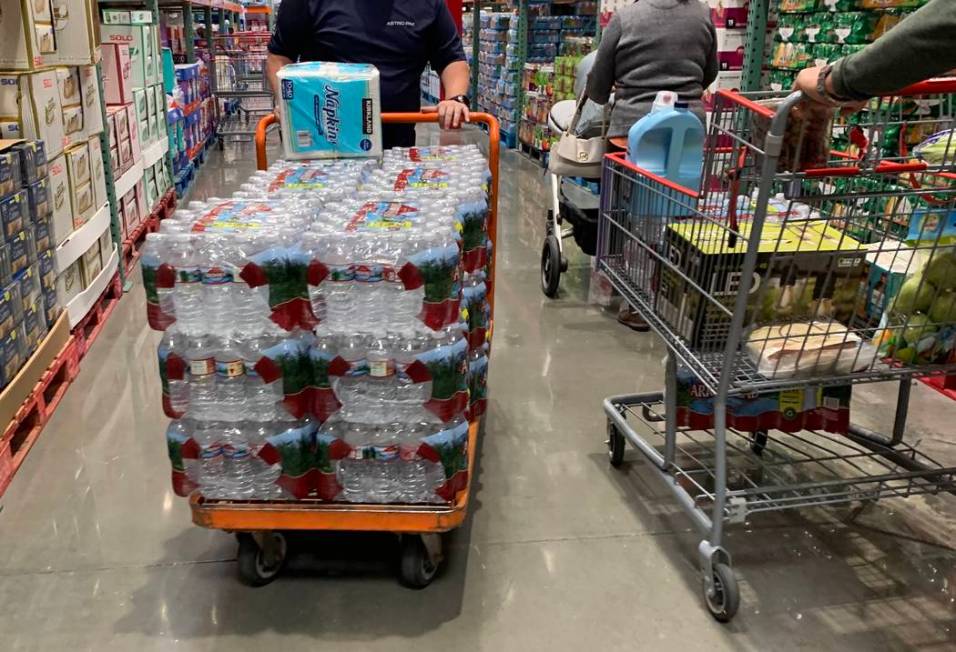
669, 142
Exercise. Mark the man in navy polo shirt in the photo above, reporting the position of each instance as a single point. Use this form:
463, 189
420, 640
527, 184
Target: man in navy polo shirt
396, 36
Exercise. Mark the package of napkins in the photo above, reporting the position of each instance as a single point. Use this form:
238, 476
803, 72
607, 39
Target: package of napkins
330, 110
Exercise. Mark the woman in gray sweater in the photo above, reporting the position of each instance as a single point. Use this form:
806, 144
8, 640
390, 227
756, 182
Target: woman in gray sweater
651, 46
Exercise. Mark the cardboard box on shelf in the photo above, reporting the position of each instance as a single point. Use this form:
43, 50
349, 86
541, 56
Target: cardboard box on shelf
97, 172
73, 23
111, 127
127, 17
81, 188
131, 213
40, 112
21, 250
68, 84
91, 264
38, 199
141, 40
106, 246
10, 129
70, 283
90, 99
10, 178
117, 73
43, 235
115, 161
125, 156
144, 207
134, 141
33, 158
59, 190
14, 213
18, 34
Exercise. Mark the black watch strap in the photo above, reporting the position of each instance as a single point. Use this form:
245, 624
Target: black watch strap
464, 99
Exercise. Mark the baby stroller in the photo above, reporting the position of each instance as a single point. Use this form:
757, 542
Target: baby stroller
574, 172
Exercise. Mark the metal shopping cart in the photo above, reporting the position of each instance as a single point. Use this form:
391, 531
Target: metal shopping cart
238, 70
259, 524
776, 282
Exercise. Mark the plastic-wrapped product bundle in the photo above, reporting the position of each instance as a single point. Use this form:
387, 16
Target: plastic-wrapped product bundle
324, 336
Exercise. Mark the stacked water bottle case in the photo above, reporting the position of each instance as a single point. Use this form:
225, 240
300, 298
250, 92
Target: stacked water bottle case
325, 329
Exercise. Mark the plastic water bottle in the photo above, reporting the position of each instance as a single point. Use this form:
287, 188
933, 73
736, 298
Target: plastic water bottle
261, 398
175, 343
201, 355
208, 435
383, 469
250, 305
338, 286
352, 470
264, 475
238, 474
350, 389
217, 284
188, 292
381, 375
369, 286
230, 381
161, 312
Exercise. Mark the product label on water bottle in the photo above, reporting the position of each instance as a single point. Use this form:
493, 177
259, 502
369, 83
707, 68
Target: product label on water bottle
385, 453
218, 275
384, 216
340, 273
193, 275
381, 368
419, 154
301, 178
229, 368
202, 367
369, 272
421, 178
212, 451
357, 368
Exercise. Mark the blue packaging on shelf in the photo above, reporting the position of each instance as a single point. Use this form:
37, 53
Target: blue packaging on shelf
12, 354
11, 308
21, 251
43, 235
46, 265
14, 214
33, 163
34, 324
29, 281
51, 304
38, 199
9, 172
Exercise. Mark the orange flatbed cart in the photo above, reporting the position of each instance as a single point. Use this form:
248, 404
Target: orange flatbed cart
259, 524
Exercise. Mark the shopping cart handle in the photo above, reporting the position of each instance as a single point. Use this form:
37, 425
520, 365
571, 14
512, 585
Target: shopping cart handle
262, 127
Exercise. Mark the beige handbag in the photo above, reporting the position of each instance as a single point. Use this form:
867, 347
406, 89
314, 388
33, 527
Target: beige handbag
574, 156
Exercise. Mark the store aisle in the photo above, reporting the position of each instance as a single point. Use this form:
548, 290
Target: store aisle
561, 552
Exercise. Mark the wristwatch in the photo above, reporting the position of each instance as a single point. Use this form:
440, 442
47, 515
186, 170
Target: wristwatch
464, 99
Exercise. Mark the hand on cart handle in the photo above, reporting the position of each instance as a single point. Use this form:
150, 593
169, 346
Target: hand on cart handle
452, 114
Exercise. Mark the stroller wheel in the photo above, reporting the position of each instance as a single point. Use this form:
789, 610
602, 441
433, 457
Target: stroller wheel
550, 267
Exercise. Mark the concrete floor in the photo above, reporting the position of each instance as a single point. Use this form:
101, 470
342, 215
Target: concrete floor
560, 551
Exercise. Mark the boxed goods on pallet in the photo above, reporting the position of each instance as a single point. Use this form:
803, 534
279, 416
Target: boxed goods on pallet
26, 254
315, 342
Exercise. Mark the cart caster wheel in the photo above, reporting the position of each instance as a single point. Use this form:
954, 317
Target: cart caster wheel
564, 264
759, 443
550, 267
254, 567
615, 445
723, 599
418, 569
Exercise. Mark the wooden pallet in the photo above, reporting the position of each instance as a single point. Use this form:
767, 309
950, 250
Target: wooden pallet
89, 328
34, 413
133, 245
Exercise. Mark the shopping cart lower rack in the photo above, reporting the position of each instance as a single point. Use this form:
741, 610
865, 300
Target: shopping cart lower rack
818, 254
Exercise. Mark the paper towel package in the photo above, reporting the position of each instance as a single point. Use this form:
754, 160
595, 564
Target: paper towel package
330, 110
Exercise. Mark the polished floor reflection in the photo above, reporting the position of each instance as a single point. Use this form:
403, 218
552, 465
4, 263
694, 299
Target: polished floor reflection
560, 552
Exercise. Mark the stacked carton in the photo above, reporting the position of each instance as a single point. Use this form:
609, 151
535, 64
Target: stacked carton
28, 299
38, 33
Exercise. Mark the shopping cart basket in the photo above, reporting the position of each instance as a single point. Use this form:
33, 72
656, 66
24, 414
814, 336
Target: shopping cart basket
259, 524
238, 72
816, 255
